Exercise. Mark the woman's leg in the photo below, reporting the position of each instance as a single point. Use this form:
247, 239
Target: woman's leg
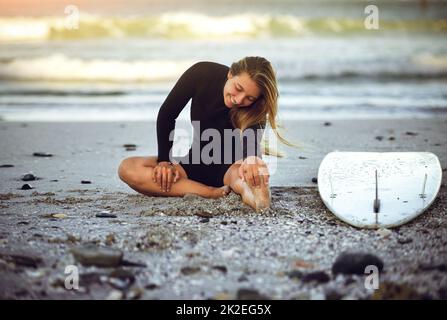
257, 198
137, 173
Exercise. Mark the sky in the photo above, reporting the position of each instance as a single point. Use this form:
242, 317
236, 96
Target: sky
56, 7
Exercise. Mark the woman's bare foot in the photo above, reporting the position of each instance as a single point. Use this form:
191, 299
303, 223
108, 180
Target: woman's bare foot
220, 192
261, 197
257, 198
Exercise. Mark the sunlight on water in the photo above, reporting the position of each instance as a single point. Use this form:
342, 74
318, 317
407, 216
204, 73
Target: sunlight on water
122, 60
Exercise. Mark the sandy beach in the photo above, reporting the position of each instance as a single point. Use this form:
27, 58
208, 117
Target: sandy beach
195, 248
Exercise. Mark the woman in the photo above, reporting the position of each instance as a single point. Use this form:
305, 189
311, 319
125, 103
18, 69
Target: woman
242, 99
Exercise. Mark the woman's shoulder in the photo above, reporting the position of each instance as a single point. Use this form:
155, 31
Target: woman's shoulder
208, 67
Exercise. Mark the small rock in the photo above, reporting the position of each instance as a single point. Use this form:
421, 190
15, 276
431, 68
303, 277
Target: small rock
110, 239
314, 180
28, 177
317, 276
391, 138
129, 145
205, 220
42, 154
131, 149
121, 279
302, 158
242, 278
409, 133
72, 238
85, 182
128, 263
59, 215
404, 240
21, 259
250, 294
355, 263
151, 286
333, 294
222, 296
224, 223
26, 186
384, 232
115, 295
189, 270
379, 138
294, 274
6, 166
105, 215
204, 214
303, 264
327, 124
222, 269
135, 293
92, 255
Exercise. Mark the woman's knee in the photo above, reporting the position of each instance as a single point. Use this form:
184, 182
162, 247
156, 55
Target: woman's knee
127, 168
232, 173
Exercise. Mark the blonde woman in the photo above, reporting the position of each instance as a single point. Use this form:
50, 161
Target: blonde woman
227, 104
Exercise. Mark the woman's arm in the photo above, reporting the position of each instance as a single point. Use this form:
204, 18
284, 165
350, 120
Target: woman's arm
253, 167
251, 141
177, 99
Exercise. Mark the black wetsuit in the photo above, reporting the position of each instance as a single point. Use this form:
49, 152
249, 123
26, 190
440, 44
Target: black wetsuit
204, 83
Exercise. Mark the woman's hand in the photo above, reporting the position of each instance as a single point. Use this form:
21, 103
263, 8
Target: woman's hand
252, 170
165, 174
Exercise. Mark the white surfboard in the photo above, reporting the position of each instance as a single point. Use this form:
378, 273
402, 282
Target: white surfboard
379, 189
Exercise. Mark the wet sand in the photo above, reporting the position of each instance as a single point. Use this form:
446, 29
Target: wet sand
194, 248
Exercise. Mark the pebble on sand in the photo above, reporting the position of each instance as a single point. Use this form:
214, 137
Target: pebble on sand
317, 276
105, 215
92, 255
250, 294
28, 177
355, 263
42, 154
26, 186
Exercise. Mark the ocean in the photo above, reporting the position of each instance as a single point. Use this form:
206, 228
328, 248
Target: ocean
123, 58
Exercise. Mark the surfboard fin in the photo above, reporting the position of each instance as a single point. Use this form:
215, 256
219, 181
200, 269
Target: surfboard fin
376, 200
376, 205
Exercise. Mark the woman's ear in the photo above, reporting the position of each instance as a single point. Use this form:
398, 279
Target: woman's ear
229, 75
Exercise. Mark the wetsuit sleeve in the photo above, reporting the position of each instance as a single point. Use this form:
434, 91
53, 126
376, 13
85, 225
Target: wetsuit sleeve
169, 111
251, 141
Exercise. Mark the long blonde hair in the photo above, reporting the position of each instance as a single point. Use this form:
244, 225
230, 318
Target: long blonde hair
265, 108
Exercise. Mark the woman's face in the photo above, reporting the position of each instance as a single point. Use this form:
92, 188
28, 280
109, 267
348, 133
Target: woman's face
240, 91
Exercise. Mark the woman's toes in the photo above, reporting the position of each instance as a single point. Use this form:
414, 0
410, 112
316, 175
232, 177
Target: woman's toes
226, 190
262, 199
220, 192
